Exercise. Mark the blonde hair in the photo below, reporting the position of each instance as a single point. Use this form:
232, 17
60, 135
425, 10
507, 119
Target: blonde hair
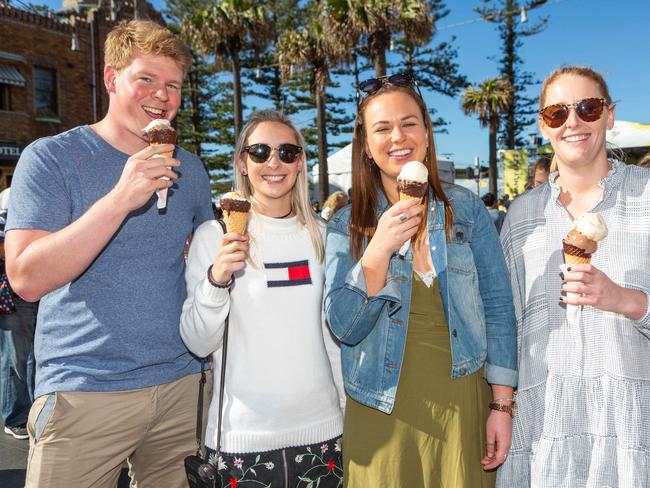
145, 37
333, 200
583, 71
300, 192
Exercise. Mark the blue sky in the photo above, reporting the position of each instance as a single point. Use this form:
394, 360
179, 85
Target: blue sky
611, 36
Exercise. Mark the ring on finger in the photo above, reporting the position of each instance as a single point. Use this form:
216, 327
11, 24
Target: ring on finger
402, 217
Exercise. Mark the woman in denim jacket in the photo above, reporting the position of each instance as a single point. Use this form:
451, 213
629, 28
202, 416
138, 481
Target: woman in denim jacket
419, 296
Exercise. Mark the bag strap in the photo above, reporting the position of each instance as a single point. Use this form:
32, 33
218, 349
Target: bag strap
199, 409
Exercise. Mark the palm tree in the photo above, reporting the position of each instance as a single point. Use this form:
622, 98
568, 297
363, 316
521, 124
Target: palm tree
325, 41
489, 101
379, 20
225, 30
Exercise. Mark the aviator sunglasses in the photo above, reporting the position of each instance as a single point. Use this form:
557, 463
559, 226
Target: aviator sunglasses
372, 85
260, 153
588, 109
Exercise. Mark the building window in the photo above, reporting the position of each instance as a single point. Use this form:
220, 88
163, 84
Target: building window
45, 95
5, 97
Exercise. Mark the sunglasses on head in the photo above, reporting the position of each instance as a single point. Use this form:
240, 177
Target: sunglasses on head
372, 85
260, 153
588, 109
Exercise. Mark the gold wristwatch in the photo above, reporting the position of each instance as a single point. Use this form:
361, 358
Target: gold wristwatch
510, 409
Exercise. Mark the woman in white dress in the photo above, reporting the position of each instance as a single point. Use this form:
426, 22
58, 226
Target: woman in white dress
584, 385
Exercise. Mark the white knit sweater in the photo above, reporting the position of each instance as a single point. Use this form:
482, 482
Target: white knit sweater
283, 376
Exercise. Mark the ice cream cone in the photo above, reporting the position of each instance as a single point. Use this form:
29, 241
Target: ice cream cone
236, 221
406, 196
582, 240
160, 132
412, 181
235, 212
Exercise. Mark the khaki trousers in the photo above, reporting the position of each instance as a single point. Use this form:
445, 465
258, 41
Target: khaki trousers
81, 439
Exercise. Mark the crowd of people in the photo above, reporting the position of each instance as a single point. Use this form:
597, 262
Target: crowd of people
400, 342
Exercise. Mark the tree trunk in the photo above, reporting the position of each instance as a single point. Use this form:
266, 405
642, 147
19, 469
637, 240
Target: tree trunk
379, 42
508, 69
492, 169
195, 112
321, 125
237, 92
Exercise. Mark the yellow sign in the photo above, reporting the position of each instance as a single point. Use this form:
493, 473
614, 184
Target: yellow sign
515, 173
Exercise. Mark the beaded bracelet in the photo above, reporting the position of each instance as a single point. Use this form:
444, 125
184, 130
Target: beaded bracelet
503, 400
216, 284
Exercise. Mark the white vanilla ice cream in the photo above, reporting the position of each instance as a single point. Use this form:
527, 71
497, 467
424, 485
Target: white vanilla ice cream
414, 171
156, 123
591, 225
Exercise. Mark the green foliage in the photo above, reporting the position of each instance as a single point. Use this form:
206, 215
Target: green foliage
506, 14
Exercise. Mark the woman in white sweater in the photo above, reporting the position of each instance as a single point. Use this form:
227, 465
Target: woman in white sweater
282, 415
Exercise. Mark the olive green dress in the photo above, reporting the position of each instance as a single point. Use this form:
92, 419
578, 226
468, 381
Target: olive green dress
435, 436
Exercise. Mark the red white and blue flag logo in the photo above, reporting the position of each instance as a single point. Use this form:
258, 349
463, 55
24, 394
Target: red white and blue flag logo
293, 273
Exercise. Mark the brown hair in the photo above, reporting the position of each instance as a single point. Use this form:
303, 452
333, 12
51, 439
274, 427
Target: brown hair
145, 37
543, 163
366, 178
584, 71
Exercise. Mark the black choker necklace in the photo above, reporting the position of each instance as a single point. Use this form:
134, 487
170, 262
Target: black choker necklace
285, 215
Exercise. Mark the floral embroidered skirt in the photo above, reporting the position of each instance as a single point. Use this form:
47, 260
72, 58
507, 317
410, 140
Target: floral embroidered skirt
301, 467
435, 436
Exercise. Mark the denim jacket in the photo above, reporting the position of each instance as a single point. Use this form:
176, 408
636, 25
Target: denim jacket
475, 289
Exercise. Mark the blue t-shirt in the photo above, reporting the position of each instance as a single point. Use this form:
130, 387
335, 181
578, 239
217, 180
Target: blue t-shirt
116, 326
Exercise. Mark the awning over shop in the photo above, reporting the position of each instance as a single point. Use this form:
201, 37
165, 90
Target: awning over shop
11, 76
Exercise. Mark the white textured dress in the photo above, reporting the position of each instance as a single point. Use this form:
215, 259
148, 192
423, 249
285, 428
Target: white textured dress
583, 416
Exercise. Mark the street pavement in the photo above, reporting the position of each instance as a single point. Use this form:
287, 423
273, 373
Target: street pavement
13, 460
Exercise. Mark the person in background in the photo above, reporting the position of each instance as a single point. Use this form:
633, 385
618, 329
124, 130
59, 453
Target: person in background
17, 324
584, 384
505, 199
418, 294
644, 162
496, 215
283, 392
334, 202
114, 380
541, 171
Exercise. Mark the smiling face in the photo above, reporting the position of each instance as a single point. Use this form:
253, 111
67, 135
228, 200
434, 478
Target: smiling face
271, 182
577, 143
149, 88
395, 134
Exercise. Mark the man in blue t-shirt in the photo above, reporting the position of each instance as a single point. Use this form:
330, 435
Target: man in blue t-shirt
114, 380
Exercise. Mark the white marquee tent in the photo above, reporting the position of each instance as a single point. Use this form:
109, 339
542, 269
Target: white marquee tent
626, 134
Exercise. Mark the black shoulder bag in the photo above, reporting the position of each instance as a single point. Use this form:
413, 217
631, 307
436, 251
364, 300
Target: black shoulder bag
200, 472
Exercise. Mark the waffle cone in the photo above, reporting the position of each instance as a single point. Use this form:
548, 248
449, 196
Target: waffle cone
167, 154
571, 259
404, 196
235, 221
574, 254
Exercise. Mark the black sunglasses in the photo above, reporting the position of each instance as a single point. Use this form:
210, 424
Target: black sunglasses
588, 109
372, 85
260, 153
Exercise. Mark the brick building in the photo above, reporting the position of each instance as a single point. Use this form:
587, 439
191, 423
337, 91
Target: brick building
51, 72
